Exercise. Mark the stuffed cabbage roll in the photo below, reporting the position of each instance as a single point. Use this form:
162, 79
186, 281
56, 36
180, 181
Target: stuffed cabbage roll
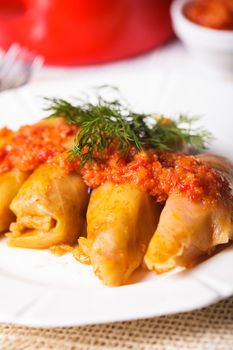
120, 222
188, 231
10, 183
50, 209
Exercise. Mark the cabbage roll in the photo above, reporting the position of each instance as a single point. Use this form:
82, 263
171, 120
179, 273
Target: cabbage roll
10, 183
120, 222
50, 208
189, 231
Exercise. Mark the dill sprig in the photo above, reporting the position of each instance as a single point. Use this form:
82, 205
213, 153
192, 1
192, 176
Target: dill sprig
110, 121
99, 124
168, 134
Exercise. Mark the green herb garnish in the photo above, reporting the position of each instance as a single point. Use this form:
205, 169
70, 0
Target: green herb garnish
107, 121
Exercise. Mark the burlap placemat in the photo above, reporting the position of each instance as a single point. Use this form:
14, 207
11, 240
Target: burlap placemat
207, 329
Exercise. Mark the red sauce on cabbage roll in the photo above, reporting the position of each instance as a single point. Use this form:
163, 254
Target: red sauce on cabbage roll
157, 173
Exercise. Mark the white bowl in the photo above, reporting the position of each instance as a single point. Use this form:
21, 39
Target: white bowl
212, 47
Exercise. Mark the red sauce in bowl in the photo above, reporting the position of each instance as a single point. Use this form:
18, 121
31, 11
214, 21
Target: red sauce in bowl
216, 14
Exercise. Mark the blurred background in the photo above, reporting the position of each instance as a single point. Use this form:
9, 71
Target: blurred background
77, 32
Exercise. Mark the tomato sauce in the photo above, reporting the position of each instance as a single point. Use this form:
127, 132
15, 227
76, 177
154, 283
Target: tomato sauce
216, 14
33, 145
157, 173
160, 174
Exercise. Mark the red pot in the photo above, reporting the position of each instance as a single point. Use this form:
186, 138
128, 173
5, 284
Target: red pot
76, 32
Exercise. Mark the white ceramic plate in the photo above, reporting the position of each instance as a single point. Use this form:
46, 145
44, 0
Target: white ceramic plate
39, 289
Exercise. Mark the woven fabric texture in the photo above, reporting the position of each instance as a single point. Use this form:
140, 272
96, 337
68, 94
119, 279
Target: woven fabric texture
207, 329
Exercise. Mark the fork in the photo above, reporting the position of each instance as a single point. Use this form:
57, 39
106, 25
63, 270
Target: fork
17, 65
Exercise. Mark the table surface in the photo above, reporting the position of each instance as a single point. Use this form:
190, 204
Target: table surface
207, 329
210, 328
